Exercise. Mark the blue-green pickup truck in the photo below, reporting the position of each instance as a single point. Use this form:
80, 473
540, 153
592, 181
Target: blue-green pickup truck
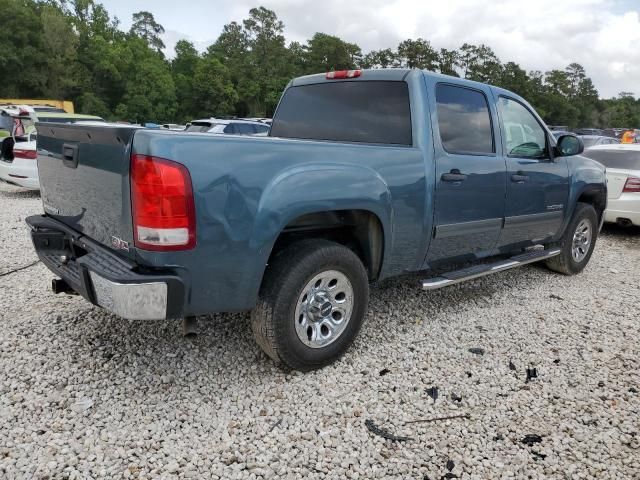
365, 175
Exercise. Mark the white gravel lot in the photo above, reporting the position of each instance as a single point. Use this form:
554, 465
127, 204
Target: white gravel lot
84, 394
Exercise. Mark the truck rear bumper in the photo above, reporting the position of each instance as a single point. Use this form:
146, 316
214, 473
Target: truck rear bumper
102, 277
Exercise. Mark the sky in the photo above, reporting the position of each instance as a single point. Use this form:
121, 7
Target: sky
601, 35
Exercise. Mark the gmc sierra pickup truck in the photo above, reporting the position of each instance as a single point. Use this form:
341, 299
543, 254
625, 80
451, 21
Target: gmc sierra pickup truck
365, 175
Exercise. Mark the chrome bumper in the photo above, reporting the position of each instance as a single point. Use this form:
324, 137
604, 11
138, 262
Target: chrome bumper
103, 278
133, 301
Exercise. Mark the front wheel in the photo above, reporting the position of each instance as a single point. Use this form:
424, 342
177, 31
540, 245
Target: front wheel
312, 303
578, 242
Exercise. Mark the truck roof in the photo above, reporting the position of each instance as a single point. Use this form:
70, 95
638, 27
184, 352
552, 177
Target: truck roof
397, 75
383, 74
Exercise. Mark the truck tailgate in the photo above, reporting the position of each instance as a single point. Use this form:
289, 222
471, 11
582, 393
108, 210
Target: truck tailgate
84, 180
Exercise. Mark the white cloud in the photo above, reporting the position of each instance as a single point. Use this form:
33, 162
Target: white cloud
602, 35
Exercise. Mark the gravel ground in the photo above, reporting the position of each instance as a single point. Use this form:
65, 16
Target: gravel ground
84, 394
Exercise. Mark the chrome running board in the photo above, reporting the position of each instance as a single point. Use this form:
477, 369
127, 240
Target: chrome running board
457, 276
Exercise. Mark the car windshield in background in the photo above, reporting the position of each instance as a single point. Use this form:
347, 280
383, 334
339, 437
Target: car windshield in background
362, 112
48, 109
67, 119
200, 127
614, 158
589, 141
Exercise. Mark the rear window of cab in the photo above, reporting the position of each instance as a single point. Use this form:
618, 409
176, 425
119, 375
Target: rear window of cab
360, 112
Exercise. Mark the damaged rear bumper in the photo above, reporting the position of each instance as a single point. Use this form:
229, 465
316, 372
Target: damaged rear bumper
104, 278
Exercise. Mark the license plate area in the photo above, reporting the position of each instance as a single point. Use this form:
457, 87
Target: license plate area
51, 241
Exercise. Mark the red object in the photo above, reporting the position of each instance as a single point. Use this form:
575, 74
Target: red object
18, 130
162, 204
632, 185
342, 74
29, 154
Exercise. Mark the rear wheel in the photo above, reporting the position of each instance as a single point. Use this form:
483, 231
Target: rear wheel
578, 242
312, 304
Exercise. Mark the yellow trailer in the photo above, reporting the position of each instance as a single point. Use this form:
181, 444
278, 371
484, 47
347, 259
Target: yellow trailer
66, 105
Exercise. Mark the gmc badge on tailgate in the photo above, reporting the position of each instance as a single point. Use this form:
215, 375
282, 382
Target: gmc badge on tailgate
119, 244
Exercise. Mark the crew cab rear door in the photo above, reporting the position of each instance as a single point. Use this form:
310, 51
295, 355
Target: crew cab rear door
469, 174
537, 183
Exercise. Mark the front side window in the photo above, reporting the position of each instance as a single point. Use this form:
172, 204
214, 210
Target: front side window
464, 121
524, 137
351, 111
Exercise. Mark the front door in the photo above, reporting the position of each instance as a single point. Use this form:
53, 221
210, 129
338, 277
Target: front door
537, 183
469, 174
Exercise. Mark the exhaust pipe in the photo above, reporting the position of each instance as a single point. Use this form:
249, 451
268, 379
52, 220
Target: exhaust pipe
190, 327
61, 286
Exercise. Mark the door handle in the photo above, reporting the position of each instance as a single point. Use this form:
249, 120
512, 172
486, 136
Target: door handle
453, 176
519, 177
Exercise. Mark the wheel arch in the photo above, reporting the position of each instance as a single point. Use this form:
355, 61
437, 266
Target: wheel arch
314, 199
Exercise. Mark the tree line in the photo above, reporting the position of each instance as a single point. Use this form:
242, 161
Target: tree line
73, 49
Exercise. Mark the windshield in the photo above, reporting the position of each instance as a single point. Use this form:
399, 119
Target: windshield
200, 127
589, 141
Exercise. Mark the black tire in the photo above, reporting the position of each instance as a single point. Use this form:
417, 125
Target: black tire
565, 263
273, 319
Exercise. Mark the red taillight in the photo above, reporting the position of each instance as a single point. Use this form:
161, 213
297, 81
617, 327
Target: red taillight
162, 204
340, 74
27, 154
632, 185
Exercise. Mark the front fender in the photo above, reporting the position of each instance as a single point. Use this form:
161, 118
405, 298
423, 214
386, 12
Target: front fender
587, 176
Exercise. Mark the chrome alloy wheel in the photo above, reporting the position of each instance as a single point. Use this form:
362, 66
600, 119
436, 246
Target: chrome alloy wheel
324, 309
581, 240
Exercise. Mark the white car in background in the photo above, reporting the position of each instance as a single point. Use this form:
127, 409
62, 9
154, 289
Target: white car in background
228, 126
18, 165
623, 181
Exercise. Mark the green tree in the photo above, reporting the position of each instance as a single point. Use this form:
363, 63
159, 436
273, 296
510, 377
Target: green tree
417, 54
22, 61
386, 58
149, 91
514, 78
213, 90
448, 62
183, 69
60, 46
267, 58
479, 63
324, 53
145, 26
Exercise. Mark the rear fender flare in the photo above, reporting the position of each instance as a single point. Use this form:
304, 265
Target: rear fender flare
318, 188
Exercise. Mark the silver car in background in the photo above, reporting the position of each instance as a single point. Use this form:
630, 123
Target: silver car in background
228, 126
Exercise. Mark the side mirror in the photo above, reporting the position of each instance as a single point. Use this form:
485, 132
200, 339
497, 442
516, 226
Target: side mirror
568, 145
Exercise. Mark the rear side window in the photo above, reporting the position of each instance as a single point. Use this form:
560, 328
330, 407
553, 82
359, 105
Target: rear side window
464, 121
614, 158
364, 112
